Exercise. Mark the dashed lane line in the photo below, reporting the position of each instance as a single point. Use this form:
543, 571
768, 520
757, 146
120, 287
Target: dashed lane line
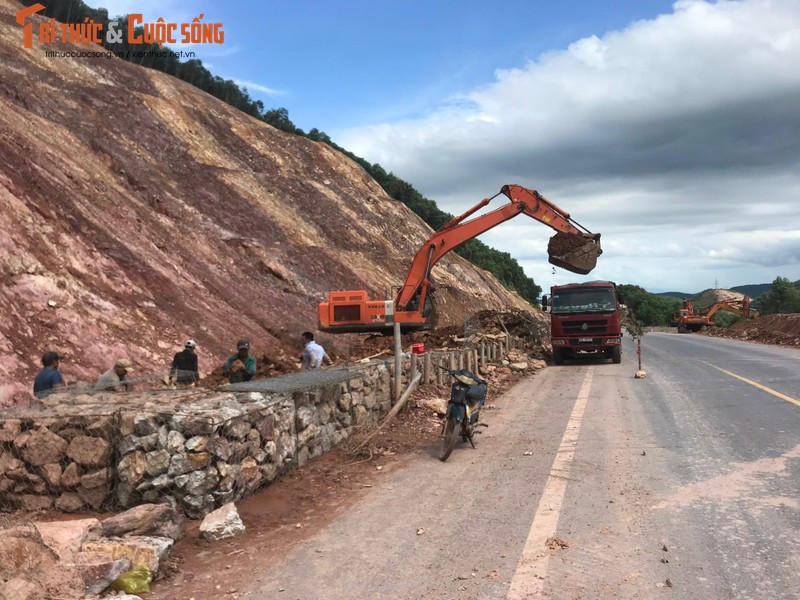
529, 578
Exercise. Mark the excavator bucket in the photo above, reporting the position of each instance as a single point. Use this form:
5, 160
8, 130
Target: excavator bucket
576, 252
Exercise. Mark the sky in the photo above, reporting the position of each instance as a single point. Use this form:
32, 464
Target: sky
670, 128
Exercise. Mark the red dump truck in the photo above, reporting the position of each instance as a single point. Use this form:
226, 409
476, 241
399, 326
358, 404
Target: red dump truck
585, 320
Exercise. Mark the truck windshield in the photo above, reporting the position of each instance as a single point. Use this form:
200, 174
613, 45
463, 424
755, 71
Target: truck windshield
583, 300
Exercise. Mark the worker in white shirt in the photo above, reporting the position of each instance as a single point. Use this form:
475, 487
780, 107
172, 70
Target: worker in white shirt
314, 355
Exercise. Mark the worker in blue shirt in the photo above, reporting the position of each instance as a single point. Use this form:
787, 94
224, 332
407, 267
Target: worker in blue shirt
48, 378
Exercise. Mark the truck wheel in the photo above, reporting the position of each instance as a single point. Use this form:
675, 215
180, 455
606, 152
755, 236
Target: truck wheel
616, 355
558, 356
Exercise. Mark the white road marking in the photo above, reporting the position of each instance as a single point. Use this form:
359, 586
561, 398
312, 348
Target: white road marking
529, 578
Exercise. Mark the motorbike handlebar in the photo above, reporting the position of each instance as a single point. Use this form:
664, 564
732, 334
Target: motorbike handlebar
455, 373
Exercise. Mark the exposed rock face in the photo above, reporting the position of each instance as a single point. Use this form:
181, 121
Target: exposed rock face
137, 211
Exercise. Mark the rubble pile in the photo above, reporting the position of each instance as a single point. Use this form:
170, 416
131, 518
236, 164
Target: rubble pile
781, 329
83, 558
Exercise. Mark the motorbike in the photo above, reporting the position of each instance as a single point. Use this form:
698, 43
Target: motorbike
467, 396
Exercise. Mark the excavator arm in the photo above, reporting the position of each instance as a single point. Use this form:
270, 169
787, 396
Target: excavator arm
573, 248
735, 307
523, 201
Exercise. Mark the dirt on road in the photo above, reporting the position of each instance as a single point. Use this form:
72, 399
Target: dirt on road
782, 330
304, 501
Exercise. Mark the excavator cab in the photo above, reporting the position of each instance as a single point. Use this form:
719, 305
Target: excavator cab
576, 252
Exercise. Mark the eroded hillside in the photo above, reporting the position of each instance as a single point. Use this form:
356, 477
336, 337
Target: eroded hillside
138, 211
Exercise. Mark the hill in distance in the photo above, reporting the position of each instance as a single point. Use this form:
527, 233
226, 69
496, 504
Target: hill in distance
754, 290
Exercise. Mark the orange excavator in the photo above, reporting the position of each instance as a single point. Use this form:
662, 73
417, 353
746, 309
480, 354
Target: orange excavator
686, 319
573, 248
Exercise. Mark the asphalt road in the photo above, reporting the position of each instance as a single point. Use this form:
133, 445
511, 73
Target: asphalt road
589, 483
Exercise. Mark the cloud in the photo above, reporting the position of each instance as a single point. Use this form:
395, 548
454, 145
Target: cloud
681, 131
261, 88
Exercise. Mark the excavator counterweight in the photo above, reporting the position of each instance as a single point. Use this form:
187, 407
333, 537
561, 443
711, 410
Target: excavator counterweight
573, 248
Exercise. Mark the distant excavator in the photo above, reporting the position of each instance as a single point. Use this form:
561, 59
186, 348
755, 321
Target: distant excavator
573, 248
686, 319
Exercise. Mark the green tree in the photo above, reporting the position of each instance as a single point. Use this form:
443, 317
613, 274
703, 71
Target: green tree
783, 297
651, 310
725, 319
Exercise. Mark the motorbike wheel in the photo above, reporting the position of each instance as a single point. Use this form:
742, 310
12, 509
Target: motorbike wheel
449, 440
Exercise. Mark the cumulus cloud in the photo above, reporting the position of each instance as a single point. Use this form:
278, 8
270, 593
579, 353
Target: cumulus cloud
677, 138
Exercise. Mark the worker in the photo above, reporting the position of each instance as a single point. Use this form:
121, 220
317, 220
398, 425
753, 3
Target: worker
115, 379
184, 365
313, 354
242, 365
48, 379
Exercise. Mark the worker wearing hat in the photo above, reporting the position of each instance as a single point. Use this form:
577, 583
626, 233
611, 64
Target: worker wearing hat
115, 379
184, 365
242, 365
48, 378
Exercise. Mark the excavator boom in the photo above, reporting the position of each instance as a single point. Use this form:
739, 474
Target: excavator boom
573, 248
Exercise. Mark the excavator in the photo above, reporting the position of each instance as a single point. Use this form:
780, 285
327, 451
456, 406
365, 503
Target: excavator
573, 248
686, 319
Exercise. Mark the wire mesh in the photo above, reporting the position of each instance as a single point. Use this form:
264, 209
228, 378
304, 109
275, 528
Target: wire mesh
304, 380
197, 448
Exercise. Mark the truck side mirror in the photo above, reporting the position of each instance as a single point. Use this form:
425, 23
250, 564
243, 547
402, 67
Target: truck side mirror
544, 302
620, 299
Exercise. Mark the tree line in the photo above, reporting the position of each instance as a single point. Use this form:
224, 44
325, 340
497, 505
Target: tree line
501, 264
653, 310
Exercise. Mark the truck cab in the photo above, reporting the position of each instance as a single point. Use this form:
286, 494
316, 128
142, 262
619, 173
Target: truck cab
585, 321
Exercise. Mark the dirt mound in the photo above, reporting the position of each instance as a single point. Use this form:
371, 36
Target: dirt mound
783, 330
706, 298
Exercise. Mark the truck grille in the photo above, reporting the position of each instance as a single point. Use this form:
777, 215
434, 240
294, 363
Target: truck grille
592, 326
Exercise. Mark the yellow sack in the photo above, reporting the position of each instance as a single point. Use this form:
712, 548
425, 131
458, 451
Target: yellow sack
135, 581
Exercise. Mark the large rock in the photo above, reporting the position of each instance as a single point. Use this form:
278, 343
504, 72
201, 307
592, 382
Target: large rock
9, 429
30, 570
51, 474
40, 447
71, 477
435, 405
19, 588
222, 523
22, 550
98, 572
93, 497
69, 502
32, 502
65, 538
159, 520
149, 551
89, 451
132, 468
94, 479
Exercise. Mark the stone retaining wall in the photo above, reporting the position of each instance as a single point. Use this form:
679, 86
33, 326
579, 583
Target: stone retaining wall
197, 449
